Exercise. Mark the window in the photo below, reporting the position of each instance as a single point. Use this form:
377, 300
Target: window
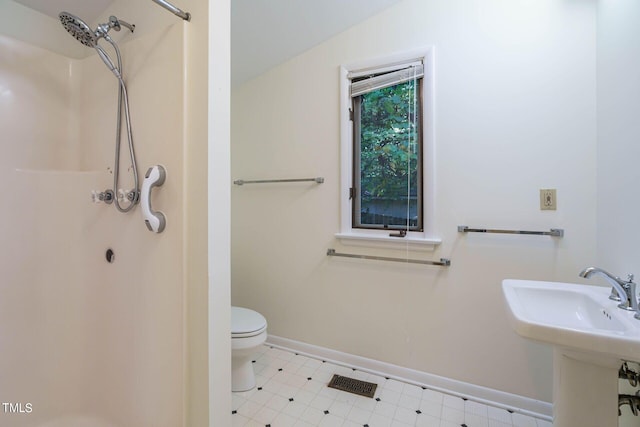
387, 146
387, 149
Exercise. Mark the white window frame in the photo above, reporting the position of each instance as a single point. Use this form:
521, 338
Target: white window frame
425, 239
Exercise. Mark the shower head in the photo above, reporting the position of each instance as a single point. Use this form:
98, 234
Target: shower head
78, 29
84, 34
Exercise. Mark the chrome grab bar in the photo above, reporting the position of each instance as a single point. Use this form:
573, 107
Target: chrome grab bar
555, 232
176, 11
318, 180
443, 261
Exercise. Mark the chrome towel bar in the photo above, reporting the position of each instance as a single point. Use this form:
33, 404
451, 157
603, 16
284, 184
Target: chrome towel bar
443, 261
318, 180
171, 8
555, 232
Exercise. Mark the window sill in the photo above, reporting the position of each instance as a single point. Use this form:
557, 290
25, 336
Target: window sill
384, 241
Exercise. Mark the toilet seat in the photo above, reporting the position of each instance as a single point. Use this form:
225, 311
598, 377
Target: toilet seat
246, 323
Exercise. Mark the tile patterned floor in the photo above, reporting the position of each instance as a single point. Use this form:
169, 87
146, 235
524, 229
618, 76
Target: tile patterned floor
292, 391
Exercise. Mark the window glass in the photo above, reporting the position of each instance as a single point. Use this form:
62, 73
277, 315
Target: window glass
387, 181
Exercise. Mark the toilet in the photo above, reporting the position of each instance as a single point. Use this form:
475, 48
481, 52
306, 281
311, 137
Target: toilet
248, 332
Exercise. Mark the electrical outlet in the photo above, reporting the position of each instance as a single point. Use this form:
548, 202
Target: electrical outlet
548, 200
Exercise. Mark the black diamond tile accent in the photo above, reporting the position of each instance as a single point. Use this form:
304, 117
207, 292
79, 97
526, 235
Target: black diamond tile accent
291, 399
280, 370
234, 412
510, 411
326, 411
424, 388
463, 425
377, 399
366, 425
418, 411
353, 369
465, 399
309, 379
259, 388
267, 425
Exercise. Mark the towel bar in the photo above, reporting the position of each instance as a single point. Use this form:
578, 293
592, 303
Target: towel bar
443, 261
555, 232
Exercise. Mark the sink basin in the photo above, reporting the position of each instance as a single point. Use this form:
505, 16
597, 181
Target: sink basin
575, 316
590, 336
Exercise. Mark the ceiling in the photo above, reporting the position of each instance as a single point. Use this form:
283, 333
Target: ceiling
264, 33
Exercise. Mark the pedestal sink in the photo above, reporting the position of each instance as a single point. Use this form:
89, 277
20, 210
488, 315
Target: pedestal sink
590, 336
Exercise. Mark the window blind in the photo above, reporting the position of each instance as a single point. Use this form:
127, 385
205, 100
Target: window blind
368, 80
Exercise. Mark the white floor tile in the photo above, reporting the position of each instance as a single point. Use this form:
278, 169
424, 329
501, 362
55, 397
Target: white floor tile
520, 420
453, 402
284, 420
432, 396
331, 420
475, 408
358, 415
472, 420
409, 402
239, 420
340, 409
405, 415
386, 409
499, 414
292, 392
454, 415
427, 421
412, 390
377, 420
265, 415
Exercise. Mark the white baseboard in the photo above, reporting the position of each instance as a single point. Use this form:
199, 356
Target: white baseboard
500, 399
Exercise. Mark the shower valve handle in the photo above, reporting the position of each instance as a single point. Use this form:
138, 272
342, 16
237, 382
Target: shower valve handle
154, 220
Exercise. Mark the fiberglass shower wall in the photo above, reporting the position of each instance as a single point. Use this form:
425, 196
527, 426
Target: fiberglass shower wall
85, 342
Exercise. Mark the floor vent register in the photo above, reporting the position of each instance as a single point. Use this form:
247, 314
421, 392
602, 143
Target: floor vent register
352, 385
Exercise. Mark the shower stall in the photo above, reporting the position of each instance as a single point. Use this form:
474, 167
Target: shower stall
101, 321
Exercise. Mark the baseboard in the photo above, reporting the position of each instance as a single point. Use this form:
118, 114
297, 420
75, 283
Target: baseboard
511, 402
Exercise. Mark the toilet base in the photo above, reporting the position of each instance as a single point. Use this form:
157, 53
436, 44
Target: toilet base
242, 376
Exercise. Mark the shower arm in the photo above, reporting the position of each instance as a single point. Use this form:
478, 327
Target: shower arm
116, 23
176, 11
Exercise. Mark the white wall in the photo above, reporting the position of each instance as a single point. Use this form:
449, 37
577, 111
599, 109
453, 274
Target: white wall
618, 145
618, 132
515, 112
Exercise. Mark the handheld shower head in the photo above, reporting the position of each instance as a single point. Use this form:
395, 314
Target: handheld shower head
84, 34
78, 29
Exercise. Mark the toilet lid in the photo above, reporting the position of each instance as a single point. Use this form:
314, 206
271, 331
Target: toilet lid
246, 322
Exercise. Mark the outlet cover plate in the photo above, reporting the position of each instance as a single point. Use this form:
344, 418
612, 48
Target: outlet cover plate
548, 199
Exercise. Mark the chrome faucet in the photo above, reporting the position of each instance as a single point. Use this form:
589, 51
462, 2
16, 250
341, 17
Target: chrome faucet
624, 291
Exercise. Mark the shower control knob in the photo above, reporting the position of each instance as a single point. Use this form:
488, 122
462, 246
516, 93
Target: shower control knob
133, 196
